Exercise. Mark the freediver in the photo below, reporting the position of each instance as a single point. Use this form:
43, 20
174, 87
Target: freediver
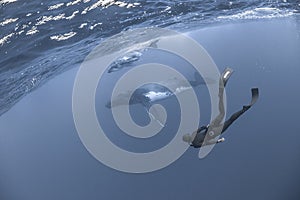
207, 135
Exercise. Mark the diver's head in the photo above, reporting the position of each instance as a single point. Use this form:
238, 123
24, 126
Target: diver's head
187, 138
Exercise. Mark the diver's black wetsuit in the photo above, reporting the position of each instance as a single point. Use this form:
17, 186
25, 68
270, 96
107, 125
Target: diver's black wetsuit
202, 131
207, 134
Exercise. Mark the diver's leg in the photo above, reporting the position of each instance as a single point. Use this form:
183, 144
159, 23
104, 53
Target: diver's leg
218, 120
234, 117
222, 83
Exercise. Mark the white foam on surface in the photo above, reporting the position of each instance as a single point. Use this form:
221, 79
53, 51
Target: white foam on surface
8, 21
65, 36
93, 26
73, 15
32, 31
56, 6
259, 13
7, 1
5, 39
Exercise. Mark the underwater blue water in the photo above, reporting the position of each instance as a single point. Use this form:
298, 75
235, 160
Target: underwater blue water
39, 39
41, 47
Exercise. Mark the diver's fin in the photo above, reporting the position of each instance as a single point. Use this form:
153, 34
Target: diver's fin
255, 95
226, 74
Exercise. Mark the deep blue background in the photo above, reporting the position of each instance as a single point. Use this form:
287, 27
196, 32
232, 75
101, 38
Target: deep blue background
41, 156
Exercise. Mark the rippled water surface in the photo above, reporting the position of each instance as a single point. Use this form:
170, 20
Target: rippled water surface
39, 39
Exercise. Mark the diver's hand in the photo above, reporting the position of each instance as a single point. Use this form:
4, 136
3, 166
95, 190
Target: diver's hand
221, 140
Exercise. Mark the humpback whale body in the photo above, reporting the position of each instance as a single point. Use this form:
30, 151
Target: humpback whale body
125, 61
152, 93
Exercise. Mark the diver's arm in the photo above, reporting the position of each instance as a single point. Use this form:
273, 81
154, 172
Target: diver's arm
193, 137
213, 141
